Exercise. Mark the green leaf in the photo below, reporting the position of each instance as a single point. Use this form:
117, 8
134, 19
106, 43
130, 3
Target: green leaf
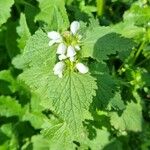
5, 8
114, 144
129, 30
138, 14
39, 143
101, 140
10, 107
106, 84
36, 52
101, 42
35, 118
58, 135
130, 119
8, 139
110, 44
53, 13
11, 39
23, 32
70, 96
91, 37
8, 84
116, 102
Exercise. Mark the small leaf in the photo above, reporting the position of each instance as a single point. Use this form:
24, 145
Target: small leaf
53, 13
99, 42
5, 8
10, 107
23, 32
130, 119
70, 96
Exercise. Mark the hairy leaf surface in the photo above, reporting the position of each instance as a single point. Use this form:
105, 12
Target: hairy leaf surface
5, 7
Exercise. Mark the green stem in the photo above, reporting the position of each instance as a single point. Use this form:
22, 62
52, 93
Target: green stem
100, 7
139, 51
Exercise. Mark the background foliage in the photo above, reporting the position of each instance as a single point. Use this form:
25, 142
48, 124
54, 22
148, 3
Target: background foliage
107, 109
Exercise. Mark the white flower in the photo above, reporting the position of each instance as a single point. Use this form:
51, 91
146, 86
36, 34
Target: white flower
82, 68
74, 27
62, 56
61, 49
71, 51
59, 68
55, 37
77, 47
72, 59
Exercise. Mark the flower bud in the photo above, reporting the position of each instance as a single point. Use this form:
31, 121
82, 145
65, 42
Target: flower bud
82, 68
53, 35
71, 51
61, 48
61, 57
51, 42
59, 68
74, 27
72, 59
77, 47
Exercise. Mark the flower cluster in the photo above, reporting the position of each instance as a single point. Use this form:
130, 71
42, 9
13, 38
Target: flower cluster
68, 47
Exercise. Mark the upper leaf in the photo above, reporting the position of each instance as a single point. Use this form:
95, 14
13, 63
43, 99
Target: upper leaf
130, 119
53, 13
70, 96
138, 14
5, 10
10, 107
58, 135
100, 42
23, 32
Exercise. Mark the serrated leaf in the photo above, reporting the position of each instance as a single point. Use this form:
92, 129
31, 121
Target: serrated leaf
23, 32
59, 136
116, 102
138, 14
110, 44
8, 138
8, 84
100, 141
101, 42
107, 87
53, 13
5, 8
36, 52
106, 90
35, 118
129, 30
39, 143
11, 39
10, 107
130, 119
91, 36
70, 96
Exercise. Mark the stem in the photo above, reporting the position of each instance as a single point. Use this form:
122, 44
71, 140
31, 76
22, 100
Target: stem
100, 7
139, 51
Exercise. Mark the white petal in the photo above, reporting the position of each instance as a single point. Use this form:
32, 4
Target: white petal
77, 47
79, 37
51, 42
71, 51
72, 59
82, 68
59, 68
61, 57
60, 75
61, 48
54, 35
74, 27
